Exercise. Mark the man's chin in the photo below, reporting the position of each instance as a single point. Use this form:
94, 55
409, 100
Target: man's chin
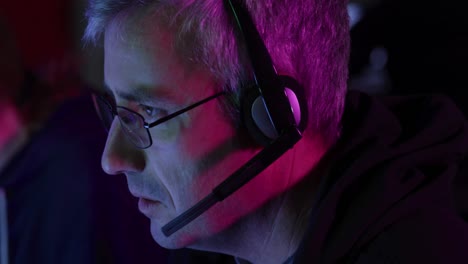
179, 239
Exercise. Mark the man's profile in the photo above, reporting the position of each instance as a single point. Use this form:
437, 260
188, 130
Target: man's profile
232, 123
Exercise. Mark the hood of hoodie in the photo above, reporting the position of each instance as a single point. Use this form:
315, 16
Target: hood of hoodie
396, 156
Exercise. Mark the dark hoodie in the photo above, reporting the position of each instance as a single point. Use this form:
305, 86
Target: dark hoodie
389, 196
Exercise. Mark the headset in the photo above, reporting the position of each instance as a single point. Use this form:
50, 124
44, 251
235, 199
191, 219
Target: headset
273, 109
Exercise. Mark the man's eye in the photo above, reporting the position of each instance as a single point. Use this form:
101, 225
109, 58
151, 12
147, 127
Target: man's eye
151, 112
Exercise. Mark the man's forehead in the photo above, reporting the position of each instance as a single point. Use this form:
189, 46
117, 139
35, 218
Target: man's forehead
142, 75
131, 49
138, 28
141, 61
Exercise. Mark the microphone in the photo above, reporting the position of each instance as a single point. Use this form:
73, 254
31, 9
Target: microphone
239, 178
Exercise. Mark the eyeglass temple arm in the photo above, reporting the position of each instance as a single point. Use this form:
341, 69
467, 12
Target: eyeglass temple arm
190, 107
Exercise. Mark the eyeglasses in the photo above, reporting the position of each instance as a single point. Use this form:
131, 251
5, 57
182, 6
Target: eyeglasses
133, 124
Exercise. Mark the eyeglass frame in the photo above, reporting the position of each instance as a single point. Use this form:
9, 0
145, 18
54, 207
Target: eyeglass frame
146, 125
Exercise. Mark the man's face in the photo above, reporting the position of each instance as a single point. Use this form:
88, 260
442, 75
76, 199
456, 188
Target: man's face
191, 153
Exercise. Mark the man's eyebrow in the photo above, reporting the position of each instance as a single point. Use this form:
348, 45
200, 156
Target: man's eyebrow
140, 94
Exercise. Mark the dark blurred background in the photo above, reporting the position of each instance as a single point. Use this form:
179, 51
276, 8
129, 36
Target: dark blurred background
51, 30
405, 47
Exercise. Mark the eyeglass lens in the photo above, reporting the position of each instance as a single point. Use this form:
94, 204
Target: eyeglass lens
132, 123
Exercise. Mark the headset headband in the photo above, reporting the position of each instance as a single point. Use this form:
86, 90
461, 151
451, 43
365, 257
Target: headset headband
266, 77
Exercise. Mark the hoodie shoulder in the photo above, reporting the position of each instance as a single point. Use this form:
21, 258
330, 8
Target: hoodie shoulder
427, 117
389, 187
429, 237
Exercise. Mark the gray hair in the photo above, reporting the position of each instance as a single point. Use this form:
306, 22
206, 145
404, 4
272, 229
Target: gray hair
307, 39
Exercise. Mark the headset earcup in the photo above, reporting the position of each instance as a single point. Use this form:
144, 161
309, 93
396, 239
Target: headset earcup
255, 114
248, 99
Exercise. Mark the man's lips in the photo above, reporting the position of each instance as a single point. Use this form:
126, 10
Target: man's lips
140, 195
148, 207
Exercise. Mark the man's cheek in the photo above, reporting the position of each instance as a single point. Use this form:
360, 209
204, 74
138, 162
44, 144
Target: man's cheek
166, 133
170, 131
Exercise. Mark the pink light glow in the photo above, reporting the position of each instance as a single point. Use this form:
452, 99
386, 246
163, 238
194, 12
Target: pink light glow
10, 124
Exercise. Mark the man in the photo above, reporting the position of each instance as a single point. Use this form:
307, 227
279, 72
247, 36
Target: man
361, 181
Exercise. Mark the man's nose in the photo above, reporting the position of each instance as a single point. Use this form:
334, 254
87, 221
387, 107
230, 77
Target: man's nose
120, 155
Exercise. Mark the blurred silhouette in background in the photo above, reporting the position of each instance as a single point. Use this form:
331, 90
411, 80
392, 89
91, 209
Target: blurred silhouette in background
408, 47
60, 206
422, 44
